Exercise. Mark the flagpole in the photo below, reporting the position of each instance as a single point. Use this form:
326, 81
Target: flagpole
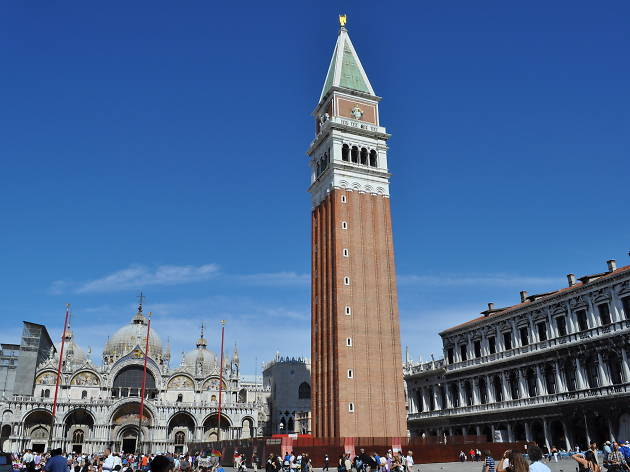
54, 407
220, 381
144, 384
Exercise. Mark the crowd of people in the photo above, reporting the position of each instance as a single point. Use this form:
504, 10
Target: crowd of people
611, 457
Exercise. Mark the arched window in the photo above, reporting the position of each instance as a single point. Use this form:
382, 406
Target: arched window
468, 393
304, 391
180, 398
83, 394
42, 393
532, 388
180, 437
569, 373
550, 379
77, 436
514, 386
454, 395
47, 393
483, 392
613, 363
373, 160
345, 152
364, 156
290, 425
355, 154
498, 391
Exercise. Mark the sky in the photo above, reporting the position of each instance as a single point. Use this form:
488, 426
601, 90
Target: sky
160, 147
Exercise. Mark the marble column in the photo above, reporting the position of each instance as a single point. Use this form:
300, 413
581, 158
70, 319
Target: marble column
475, 389
462, 398
540, 384
504, 386
522, 387
604, 380
490, 390
625, 368
547, 434
567, 439
579, 375
560, 386
528, 432
611, 430
436, 398
449, 400
425, 400
588, 436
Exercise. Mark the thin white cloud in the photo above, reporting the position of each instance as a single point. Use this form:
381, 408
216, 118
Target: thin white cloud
276, 279
496, 280
138, 276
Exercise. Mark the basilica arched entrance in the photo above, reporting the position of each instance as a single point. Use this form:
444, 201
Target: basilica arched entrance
210, 428
78, 427
36, 429
181, 429
127, 434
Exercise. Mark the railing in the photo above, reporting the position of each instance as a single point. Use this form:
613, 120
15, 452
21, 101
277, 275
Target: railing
424, 367
46, 402
567, 339
539, 400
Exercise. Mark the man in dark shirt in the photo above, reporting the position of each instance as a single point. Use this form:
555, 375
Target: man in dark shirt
57, 462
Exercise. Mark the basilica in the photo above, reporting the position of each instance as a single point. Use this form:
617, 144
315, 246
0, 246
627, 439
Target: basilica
98, 405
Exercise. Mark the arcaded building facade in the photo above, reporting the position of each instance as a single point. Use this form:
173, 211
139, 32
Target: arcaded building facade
552, 369
357, 380
98, 405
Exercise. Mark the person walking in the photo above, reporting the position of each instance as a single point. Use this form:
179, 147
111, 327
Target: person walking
326, 463
489, 465
535, 455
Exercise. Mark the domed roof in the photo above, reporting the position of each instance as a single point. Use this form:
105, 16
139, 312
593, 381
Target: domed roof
72, 353
201, 361
134, 334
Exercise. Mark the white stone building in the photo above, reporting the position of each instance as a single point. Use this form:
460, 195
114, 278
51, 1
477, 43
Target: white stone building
552, 369
98, 406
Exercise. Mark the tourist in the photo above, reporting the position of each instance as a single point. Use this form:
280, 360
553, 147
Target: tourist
587, 462
462, 456
489, 465
326, 463
161, 464
607, 450
409, 461
616, 460
471, 453
504, 463
535, 457
57, 462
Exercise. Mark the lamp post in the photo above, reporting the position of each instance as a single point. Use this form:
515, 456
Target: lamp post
220, 382
144, 384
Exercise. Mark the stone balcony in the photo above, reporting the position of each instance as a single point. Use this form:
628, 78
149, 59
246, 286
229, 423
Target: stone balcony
555, 399
568, 340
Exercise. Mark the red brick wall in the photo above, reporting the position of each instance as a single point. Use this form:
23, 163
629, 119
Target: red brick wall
376, 389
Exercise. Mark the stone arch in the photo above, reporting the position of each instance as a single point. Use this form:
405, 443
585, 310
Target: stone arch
37, 427
86, 378
127, 382
126, 412
247, 427
181, 425
304, 391
181, 382
211, 423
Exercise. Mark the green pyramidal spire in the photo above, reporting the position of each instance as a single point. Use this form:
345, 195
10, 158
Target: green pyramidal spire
345, 68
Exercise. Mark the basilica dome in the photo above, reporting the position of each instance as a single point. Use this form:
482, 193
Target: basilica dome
129, 336
201, 361
72, 353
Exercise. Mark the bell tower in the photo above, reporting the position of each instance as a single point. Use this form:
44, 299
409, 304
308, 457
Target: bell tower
355, 334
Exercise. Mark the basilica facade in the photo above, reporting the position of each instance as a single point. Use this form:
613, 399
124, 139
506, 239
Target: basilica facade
98, 405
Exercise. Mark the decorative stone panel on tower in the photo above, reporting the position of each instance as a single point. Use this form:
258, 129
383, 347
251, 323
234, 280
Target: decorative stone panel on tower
356, 356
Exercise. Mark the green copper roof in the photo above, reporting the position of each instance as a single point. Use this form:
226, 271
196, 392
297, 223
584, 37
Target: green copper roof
350, 74
345, 68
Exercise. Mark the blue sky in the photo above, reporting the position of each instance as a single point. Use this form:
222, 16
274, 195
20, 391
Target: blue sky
160, 146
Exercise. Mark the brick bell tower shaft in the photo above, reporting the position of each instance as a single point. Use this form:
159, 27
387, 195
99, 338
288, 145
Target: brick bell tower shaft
355, 331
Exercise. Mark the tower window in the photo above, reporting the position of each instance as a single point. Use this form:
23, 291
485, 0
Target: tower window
604, 313
180, 398
364, 156
351, 407
345, 152
373, 160
350, 374
344, 225
346, 253
343, 199
346, 280
349, 342
348, 310
354, 155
